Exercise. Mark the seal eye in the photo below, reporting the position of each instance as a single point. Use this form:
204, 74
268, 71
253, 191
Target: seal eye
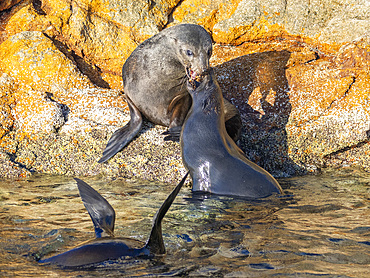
189, 53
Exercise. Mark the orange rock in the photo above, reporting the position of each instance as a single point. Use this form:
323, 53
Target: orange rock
7, 89
7, 4
105, 33
314, 88
329, 105
50, 86
35, 62
24, 18
204, 12
35, 112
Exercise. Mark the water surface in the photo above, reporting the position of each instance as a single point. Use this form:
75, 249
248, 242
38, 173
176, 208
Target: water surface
321, 228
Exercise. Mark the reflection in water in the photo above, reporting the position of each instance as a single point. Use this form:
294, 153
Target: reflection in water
321, 229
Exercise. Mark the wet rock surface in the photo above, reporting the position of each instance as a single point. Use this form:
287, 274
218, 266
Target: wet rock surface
298, 72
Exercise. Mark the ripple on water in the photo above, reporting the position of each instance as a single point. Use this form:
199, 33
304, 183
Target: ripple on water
321, 228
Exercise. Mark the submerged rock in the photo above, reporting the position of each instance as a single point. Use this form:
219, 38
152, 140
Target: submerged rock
298, 72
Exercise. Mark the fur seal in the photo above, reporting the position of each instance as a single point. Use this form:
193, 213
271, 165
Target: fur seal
215, 162
105, 247
154, 78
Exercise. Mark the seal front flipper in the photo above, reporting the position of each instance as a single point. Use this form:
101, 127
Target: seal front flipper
173, 134
101, 212
124, 135
233, 121
155, 242
178, 109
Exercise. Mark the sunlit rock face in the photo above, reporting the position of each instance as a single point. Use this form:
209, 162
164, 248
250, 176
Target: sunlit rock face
298, 71
7, 4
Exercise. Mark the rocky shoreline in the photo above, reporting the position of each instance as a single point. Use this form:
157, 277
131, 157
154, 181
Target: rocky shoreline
300, 76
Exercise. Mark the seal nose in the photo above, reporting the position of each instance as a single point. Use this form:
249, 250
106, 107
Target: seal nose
204, 63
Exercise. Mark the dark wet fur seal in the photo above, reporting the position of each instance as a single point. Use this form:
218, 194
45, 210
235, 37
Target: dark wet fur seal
215, 163
105, 247
154, 80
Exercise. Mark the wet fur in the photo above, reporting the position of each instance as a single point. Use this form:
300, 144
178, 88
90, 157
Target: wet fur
105, 247
215, 163
154, 79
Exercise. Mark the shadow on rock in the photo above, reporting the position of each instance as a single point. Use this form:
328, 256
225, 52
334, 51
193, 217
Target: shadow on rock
257, 85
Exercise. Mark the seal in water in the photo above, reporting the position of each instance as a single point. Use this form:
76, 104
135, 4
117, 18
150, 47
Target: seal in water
154, 78
105, 247
215, 162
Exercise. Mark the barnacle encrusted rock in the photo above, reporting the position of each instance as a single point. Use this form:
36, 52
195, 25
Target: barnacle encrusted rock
298, 71
46, 115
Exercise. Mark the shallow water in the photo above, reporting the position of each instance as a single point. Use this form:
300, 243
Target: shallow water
320, 228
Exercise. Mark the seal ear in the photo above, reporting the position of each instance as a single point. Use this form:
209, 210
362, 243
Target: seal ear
173, 39
176, 46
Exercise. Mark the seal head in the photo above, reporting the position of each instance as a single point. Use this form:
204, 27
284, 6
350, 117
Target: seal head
193, 49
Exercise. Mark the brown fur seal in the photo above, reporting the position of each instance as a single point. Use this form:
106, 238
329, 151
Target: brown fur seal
154, 78
214, 161
105, 247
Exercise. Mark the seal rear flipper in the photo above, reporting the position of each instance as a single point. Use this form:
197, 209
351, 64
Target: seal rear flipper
155, 242
124, 135
101, 212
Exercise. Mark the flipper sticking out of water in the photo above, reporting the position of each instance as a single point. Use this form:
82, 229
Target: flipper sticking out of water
104, 248
101, 212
